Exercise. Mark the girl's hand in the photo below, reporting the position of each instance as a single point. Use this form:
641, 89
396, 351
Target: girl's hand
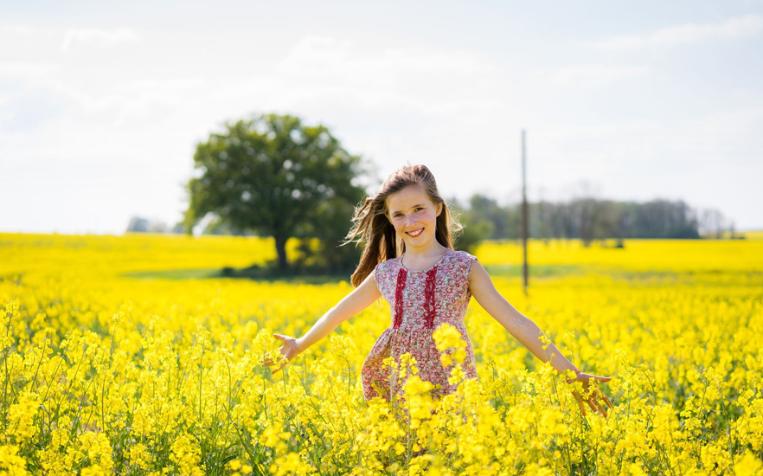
595, 393
289, 349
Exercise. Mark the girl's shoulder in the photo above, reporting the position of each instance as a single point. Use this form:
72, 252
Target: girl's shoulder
462, 261
383, 265
463, 255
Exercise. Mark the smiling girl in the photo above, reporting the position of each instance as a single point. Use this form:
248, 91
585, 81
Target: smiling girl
408, 259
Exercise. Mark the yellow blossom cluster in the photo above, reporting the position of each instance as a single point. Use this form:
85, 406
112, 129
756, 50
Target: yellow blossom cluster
131, 355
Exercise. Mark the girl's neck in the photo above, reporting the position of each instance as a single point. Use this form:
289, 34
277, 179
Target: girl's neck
436, 249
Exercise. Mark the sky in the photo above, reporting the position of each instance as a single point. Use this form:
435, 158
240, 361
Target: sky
102, 103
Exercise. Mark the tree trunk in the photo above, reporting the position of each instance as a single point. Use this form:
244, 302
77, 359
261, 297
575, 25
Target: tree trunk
281, 251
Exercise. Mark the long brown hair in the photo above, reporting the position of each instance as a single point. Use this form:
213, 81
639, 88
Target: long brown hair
372, 227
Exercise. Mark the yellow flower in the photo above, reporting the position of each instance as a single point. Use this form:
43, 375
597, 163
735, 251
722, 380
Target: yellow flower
139, 455
399, 448
457, 375
96, 447
10, 461
290, 464
748, 464
450, 343
21, 417
186, 455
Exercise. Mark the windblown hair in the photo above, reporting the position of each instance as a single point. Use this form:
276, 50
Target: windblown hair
372, 228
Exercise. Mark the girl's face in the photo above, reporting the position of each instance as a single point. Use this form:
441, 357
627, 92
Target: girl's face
414, 216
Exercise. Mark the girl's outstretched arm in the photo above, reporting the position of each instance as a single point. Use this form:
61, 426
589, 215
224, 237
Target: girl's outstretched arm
522, 328
360, 298
529, 334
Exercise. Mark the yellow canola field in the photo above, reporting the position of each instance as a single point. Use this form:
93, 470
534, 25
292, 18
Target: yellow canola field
121, 354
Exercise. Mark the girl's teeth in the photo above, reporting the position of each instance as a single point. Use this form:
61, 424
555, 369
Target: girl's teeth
415, 233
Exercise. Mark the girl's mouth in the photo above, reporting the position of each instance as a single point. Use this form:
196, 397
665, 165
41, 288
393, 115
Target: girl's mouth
415, 233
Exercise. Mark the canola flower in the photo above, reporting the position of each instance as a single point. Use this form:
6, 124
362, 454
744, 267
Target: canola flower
118, 355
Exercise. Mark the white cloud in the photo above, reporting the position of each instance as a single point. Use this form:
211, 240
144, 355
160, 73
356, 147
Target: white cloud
422, 79
26, 43
98, 37
595, 74
737, 27
27, 69
16, 29
314, 55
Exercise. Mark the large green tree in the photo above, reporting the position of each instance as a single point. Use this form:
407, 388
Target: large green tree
273, 175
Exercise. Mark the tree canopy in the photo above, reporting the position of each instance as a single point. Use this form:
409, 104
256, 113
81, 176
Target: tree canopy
275, 176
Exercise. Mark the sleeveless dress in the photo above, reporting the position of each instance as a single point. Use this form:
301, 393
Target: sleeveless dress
419, 302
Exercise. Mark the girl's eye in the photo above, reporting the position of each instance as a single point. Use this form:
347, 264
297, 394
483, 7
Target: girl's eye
399, 215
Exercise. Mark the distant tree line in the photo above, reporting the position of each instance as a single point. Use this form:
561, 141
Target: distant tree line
590, 219
214, 225
139, 224
587, 219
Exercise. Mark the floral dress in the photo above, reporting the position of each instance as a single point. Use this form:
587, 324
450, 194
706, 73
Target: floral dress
419, 302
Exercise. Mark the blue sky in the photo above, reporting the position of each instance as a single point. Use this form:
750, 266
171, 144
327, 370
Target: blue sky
101, 105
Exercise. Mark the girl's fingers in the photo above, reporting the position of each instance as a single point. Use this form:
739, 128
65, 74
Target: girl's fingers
587, 378
282, 365
595, 394
599, 409
602, 410
593, 402
598, 393
284, 338
581, 405
590, 399
579, 399
607, 400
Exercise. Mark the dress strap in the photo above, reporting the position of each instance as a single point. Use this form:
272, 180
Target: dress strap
401, 275
429, 305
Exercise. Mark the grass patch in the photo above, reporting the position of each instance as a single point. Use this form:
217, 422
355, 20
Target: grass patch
254, 273
536, 271
174, 274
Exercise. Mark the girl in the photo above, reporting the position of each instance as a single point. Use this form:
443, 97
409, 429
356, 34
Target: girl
409, 259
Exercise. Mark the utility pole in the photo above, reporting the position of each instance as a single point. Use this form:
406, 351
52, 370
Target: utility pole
525, 223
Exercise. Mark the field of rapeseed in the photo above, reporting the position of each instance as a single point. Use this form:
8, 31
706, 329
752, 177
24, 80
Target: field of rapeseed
120, 354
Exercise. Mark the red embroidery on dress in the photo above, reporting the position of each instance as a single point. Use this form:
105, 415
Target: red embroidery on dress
429, 305
401, 275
